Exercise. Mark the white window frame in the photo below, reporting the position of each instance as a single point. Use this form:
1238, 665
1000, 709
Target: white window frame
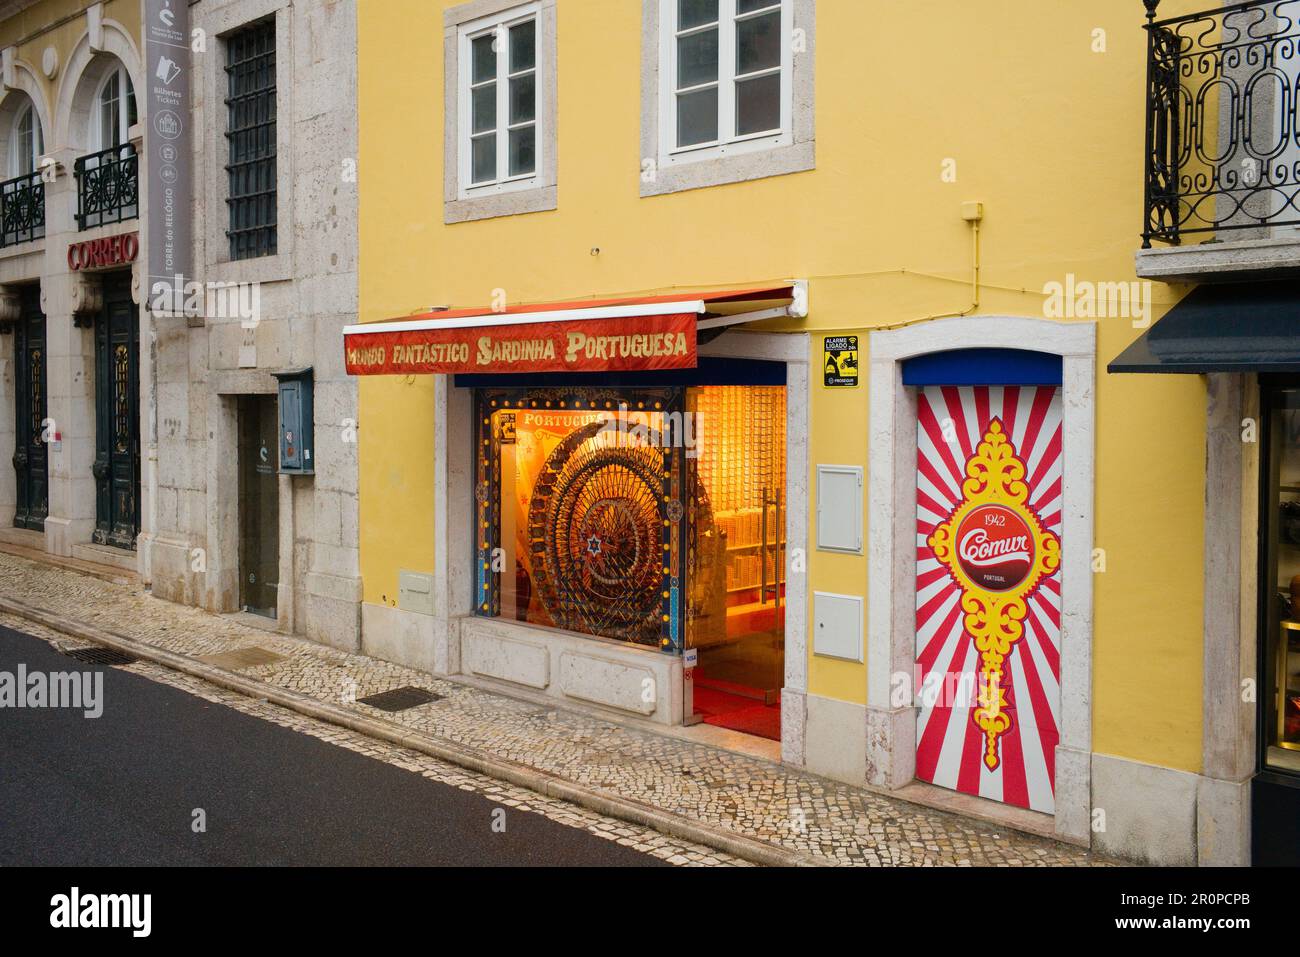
17, 161
123, 110
665, 168
728, 142
499, 23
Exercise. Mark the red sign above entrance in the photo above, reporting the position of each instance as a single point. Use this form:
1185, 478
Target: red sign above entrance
104, 253
635, 344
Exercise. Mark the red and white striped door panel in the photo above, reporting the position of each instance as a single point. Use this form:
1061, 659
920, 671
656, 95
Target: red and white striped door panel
952, 421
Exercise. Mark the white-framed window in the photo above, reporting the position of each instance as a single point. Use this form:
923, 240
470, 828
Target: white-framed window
26, 142
115, 111
500, 115
727, 76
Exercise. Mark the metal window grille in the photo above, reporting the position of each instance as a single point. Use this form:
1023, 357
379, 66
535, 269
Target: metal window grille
250, 132
108, 186
22, 209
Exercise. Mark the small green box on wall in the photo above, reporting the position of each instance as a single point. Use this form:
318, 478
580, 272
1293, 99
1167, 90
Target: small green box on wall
297, 412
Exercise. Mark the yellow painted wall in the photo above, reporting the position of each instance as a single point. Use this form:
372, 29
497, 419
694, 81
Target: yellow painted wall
1047, 133
61, 24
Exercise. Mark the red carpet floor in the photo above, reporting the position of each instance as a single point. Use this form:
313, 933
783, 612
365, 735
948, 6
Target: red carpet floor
738, 713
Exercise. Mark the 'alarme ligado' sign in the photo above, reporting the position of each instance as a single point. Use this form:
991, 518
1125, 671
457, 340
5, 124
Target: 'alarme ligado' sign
617, 345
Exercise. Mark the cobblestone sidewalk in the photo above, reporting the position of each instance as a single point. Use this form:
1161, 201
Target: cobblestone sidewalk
718, 789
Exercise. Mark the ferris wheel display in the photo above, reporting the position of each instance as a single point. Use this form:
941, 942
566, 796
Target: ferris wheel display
596, 528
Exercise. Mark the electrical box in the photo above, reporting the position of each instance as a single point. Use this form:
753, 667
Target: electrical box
837, 626
415, 592
297, 412
839, 508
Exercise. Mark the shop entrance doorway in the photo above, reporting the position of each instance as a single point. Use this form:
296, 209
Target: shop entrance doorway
117, 417
988, 590
1275, 790
259, 505
654, 516
741, 472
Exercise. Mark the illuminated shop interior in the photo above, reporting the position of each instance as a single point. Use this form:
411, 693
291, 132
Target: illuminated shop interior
652, 516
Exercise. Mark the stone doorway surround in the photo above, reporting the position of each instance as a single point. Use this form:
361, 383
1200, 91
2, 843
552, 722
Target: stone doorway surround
891, 612
453, 630
1228, 732
223, 503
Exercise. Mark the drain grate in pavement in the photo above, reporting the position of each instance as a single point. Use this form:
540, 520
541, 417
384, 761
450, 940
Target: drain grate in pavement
400, 699
242, 658
101, 656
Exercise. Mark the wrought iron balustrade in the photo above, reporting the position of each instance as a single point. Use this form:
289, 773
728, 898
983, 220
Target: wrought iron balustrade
22, 209
1222, 139
108, 186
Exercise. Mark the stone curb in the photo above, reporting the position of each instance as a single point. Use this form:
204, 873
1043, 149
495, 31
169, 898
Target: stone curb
521, 775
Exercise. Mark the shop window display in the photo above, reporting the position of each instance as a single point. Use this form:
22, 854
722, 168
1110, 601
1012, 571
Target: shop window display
654, 517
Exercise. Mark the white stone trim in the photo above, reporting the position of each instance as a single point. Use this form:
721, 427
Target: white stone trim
1150, 811
79, 82
798, 156
1219, 262
453, 519
1228, 731
544, 194
25, 81
212, 184
891, 739
793, 350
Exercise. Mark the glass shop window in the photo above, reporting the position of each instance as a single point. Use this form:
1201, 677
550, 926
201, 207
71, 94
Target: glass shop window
654, 517
1280, 687
580, 514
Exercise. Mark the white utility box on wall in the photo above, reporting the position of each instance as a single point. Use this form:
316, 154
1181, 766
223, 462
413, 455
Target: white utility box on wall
837, 626
839, 508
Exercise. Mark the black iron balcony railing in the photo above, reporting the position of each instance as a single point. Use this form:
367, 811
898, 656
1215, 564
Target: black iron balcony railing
108, 186
22, 209
1223, 143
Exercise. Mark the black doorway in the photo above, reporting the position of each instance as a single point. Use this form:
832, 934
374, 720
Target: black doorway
1275, 790
31, 405
117, 417
259, 505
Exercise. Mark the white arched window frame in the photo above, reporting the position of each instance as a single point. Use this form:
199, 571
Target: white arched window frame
26, 142
114, 110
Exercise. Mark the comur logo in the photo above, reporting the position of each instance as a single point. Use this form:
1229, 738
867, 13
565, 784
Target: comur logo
995, 548
75, 909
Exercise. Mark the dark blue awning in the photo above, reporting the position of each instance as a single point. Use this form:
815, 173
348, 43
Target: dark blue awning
1223, 327
983, 367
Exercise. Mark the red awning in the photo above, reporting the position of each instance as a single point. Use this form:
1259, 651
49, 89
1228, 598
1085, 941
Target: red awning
590, 335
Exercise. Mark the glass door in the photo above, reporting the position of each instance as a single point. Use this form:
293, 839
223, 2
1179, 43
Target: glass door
737, 501
1275, 789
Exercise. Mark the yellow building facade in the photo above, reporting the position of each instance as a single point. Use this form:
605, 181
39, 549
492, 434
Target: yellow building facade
922, 208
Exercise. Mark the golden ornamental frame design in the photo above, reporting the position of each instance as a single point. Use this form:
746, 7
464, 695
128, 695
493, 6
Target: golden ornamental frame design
995, 619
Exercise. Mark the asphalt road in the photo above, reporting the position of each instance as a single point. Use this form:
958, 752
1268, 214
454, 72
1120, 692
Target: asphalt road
121, 790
